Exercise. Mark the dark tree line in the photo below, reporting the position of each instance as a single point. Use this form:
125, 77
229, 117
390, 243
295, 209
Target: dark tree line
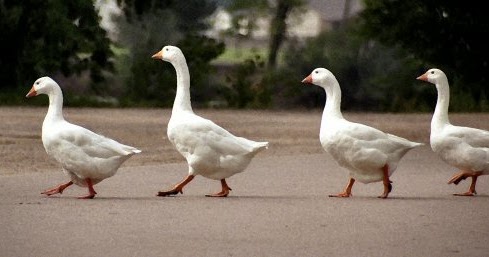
147, 26
447, 34
376, 54
46, 37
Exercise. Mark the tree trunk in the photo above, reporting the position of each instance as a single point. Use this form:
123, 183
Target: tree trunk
277, 31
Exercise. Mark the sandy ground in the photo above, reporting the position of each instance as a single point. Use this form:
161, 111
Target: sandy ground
289, 132
278, 207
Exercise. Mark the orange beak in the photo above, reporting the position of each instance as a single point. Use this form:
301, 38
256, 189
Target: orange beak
423, 77
308, 79
158, 55
32, 92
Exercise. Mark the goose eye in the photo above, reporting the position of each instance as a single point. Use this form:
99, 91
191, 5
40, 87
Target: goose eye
432, 72
317, 72
37, 83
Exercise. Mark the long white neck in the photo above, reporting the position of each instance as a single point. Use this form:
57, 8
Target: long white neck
182, 97
332, 107
55, 110
440, 116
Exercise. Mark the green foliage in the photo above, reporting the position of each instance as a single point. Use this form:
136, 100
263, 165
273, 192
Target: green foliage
446, 34
145, 81
190, 14
278, 28
249, 11
238, 6
246, 85
153, 83
146, 28
372, 76
47, 37
199, 52
338, 51
380, 76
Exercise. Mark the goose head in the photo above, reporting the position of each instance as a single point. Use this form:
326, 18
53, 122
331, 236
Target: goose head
44, 85
320, 77
434, 76
169, 53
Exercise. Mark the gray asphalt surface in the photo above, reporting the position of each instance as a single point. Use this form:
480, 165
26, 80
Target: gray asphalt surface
278, 207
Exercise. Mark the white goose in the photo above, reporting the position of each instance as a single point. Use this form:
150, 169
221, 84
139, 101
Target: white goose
87, 158
368, 153
462, 147
210, 150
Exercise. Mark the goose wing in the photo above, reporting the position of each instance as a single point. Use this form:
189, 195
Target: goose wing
474, 137
199, 134
71, 143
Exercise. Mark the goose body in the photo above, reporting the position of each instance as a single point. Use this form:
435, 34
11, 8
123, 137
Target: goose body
210, 150
86, 157
462, 147
369, 154
361, 149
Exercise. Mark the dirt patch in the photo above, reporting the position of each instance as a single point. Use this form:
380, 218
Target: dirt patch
289, 132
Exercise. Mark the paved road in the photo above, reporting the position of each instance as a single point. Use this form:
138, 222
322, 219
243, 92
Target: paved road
278, 207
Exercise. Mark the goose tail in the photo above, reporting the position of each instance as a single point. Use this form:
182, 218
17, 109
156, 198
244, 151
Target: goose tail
135, 151
416, 144
129, 150
259, 146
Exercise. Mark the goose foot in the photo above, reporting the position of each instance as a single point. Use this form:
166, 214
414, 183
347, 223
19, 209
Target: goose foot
386, 191
342, 194
463, 175
347, 191
174, 191
458, 177
220, 194
91, 192
178, 188
57, 190
387, 182
224, 192
89, 196
468, 193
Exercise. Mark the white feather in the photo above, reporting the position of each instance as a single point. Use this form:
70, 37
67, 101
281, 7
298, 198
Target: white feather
361, 149
462, 147
81, 152
210, 150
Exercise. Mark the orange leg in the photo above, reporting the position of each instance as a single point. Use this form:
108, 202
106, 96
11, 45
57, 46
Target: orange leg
178, 188
224, 192
347, 191
57, 189
91, 191
463, 175
386, 182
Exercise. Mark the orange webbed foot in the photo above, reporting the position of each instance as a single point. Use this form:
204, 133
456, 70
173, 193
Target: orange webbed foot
57, 190
172, 192
343, 194
89, 196
224, 192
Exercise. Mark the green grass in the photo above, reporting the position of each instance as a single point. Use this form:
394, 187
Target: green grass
233, 55
237, 55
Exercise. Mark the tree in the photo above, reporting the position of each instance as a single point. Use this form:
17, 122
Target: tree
47, 37
190, 14
251, 85
279, 10
444, 33
145, 28
278, 28
372, 77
